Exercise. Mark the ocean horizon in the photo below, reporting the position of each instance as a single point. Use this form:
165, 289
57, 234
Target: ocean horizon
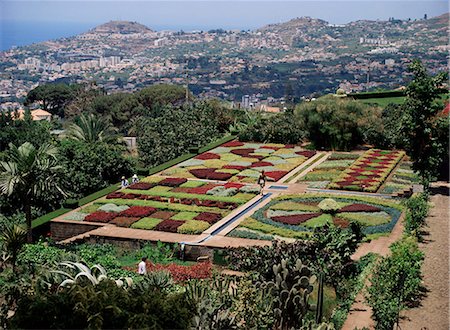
19, 33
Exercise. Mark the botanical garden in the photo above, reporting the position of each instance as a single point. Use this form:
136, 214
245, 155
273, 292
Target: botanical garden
338, 220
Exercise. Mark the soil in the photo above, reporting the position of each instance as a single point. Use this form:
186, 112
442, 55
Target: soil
433, 311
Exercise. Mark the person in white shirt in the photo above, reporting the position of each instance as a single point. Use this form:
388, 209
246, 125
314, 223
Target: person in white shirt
142, 268
124, 183
135, 179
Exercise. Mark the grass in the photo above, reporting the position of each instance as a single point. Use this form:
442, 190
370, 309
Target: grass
383, 102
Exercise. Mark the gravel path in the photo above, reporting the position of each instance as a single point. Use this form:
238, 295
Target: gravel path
433, 313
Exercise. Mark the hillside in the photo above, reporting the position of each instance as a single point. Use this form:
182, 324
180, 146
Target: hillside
122, 27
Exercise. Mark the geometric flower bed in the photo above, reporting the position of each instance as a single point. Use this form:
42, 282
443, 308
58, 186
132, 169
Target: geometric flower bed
174, 205
402, 179
368, 172
330, 169
242, 162
296, 216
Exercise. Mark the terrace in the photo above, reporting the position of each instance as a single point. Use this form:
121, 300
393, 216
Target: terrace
211, 200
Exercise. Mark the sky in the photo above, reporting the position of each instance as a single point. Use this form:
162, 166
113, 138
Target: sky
211, 14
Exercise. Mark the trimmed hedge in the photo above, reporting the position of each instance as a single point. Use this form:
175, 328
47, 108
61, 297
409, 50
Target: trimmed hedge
49, 216
383, 94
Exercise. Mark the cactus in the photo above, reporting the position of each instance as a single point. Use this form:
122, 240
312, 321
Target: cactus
319, 307
290, 290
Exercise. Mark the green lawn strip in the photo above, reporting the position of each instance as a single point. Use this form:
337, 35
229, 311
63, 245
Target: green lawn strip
186, 195
253, 224
185, 215
311, 164
293, 206
365, 219
217, 143
370, 200
319, 221
98, 194
164, 206
49, 216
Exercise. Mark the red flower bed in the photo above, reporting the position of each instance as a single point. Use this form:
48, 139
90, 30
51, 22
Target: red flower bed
209, 217
182, 273
116, 194
170, 226
276, 175
359, 208
295, 219
100, 216
306, 153
164, 215
181, 190
235, 167
130, 196
232, 144
124, 221
243, 152
233, 185
137, 211
172, 182
207, 155
261, 164
141, 186
203, 189
289, 146
211, 174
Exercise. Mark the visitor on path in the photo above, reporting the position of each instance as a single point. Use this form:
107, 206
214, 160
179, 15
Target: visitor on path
142, 267
262, 181
134, 179
124, 183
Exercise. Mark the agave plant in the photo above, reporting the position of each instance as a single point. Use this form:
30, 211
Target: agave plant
76, 272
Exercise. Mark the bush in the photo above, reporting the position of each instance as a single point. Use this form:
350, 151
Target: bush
416, 213
395, 282
70, 203
329, 205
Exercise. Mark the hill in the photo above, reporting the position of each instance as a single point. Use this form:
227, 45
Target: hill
122, 27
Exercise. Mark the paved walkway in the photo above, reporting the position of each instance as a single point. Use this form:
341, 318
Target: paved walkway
433, 313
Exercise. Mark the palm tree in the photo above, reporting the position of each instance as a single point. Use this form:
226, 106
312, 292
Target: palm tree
29, 173
92, 129
14, 237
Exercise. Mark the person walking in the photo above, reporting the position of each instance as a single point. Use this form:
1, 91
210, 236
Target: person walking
124, 183
262, 181
142, 267
134, 179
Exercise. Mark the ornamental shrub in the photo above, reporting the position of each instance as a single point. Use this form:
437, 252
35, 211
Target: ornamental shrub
137, 211
329, 205
416, 213
395, 282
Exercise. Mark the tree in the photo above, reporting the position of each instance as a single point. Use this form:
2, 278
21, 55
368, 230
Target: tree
53, 97
92, 129
88, 167
29, 173
14, 237
422, 123
336, 123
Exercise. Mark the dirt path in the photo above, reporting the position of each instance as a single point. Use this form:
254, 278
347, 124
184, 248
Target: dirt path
433, 313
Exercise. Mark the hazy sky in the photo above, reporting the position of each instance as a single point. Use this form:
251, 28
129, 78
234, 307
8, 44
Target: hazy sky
212, 14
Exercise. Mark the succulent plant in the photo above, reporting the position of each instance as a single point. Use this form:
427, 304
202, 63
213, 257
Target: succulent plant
290, 291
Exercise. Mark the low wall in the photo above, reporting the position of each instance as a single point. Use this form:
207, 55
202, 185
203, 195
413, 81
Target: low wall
64, 229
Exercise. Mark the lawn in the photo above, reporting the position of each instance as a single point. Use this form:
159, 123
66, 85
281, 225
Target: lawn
242, 162
383, 102
176, 205
296, 216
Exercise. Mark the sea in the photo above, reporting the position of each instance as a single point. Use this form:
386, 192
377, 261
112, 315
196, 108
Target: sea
17, 33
